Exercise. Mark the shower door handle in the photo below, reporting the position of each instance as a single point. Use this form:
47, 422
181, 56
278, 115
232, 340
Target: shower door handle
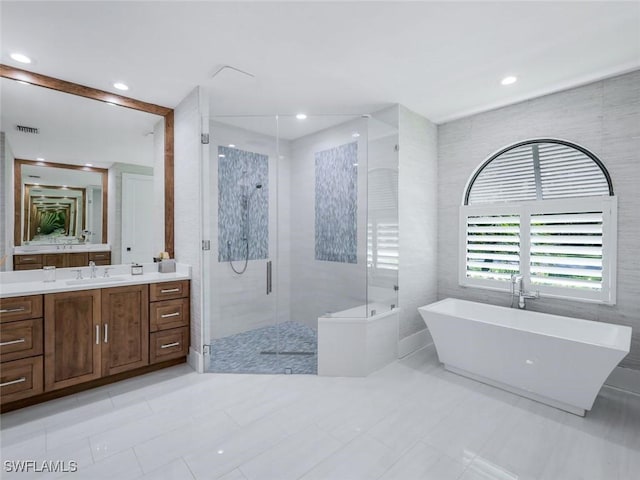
269, 277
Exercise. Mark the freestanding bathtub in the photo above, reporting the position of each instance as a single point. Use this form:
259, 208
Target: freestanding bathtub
556, 360
357, 341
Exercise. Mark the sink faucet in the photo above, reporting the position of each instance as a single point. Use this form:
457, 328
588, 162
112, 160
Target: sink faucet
92, 266
517, 290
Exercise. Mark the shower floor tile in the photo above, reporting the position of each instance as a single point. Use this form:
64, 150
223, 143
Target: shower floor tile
255, 351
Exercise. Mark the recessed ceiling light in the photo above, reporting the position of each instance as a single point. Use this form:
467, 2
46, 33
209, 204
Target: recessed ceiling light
301, 116
120, 86
355, 134
23, 82
510, 80
40, 159
221, 155
37, 184
19, 57
231, 145
64, 186
88, 164
112, 104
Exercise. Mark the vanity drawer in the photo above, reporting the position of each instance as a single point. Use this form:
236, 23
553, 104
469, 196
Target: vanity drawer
169, 314
101, 258
27, 259
168, 344
20, 308
168, 290
21, 379
20, 339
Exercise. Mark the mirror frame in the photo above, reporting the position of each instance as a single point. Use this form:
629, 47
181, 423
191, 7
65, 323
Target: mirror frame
52, 83
18, 236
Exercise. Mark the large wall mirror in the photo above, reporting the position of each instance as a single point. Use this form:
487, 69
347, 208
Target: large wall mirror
85, 169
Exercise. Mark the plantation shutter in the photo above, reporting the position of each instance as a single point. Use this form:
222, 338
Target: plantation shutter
539, 170
567, 249
383, 245
492, 246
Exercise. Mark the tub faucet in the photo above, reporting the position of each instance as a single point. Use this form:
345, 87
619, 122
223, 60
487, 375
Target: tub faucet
517, 290
92, 266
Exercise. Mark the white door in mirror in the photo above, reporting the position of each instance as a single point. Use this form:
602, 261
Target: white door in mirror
137, 224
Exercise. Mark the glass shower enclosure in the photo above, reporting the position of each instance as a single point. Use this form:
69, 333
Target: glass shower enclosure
302, 218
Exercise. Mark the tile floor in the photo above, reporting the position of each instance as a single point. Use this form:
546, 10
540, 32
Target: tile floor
411, 420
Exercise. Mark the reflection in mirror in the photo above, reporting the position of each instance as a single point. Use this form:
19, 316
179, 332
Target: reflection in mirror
60, 205
72, 187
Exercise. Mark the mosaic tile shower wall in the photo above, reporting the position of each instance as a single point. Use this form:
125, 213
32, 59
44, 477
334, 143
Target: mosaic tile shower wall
243, 210
337, 203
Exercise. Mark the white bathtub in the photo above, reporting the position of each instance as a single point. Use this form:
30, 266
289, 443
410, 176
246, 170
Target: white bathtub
350, 344
556, 360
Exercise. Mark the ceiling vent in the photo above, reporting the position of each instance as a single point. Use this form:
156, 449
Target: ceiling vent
24, 129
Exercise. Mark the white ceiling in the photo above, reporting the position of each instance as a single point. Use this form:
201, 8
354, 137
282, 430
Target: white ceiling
441, 59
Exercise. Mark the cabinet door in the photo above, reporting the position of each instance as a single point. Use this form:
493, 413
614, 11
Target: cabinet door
125, 328
77, 259
72, 344
54, 259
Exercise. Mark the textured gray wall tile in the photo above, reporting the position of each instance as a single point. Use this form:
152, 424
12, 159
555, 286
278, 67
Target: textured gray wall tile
602, 117
187, 207
418, 214
337, 204
243, 209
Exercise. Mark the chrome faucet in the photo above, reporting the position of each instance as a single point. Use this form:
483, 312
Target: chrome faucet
92, 266
517, 290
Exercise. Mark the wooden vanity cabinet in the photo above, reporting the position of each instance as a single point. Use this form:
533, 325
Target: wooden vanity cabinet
89, 338
20, 348
60, 260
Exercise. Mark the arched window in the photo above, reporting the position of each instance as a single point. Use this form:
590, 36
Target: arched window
543, 209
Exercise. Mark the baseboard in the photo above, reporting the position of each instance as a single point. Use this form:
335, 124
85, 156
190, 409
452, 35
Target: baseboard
196, 360
414, 342
625, 379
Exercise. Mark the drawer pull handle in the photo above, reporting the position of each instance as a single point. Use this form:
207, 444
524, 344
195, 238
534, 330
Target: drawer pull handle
26, 259
169, 345
167, 315
13, 382
13, 310
97, 334
12, 342
106, 333
170, 290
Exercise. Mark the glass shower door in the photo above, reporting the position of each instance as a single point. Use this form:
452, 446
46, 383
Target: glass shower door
240, 208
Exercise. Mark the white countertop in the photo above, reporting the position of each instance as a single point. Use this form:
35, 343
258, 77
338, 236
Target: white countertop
61, 248
30, 282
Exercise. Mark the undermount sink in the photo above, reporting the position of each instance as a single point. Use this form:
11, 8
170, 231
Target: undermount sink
93, 281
